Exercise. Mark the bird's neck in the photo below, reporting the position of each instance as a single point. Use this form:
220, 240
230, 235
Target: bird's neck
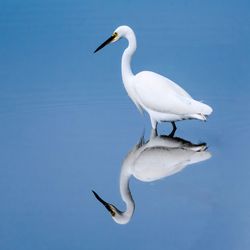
126, 194
127, 56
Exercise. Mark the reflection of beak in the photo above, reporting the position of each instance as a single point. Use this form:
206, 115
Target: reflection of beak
108, 41
105, 204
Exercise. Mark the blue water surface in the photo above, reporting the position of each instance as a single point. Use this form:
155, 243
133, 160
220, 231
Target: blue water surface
66, 124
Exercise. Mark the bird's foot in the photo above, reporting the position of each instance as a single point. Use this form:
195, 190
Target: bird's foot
173, 130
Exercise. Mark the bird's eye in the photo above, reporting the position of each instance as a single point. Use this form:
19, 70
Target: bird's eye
115, 34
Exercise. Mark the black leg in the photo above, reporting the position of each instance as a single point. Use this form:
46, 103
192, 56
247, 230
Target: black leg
156, 125
174, 129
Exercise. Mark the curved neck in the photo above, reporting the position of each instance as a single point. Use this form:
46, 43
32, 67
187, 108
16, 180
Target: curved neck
127, 56
126, 194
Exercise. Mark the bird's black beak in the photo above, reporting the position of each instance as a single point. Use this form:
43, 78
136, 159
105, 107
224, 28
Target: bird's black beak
105, 204
108, 41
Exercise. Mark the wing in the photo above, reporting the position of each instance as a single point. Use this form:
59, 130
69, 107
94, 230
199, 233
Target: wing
160, 94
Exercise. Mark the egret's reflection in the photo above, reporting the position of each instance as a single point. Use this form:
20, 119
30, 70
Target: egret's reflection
159, 157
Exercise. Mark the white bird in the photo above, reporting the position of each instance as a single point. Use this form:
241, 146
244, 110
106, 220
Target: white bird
164, 100
158, 158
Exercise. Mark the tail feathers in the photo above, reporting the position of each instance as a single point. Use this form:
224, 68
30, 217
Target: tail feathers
206, 110
198, 116
198, 147
200, 156
202, 111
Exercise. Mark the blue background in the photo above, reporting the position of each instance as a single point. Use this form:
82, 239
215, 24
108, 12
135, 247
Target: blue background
66, 124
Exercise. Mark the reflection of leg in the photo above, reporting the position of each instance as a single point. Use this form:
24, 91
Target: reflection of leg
141, 142
174, 129
153, 123
153, 133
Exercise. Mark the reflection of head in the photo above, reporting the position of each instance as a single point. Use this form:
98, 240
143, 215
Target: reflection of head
118, 216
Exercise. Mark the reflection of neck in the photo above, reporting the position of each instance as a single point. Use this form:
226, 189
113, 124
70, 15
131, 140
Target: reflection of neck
126, 194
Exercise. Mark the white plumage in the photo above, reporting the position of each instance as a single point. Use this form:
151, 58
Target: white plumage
173, 103
160, 97
158, 158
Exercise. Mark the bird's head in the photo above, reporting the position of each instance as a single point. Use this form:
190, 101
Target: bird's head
121, 31
118, 216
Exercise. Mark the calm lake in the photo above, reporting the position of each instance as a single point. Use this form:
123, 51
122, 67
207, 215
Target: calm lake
67, 126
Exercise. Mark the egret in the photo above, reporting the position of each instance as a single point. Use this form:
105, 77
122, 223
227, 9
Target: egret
161, 98
159, 157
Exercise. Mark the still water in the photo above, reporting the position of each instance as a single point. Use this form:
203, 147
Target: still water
67, 127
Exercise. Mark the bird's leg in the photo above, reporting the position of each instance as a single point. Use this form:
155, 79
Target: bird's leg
156, 124
174, 129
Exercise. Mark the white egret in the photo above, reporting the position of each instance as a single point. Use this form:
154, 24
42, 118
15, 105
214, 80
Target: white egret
158, 158
164, 100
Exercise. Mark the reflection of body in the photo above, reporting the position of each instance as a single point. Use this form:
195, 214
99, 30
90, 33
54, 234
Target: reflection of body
159, 157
